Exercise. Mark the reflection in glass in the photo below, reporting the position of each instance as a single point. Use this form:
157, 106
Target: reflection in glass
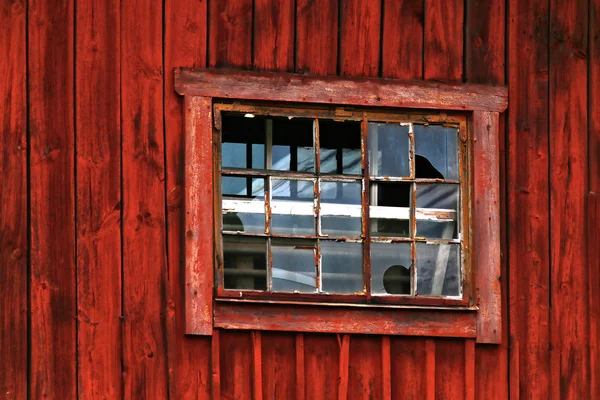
340, 208
437, 211
342, 267
294, 268
390, 268
389, 150
292, 140
438, 269
390, 209
243, 204
245, 263
436, 152
340, 147
292, 207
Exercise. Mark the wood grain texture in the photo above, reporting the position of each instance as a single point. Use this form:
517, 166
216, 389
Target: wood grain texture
185, 45
215, 365
235, 365
360, 29
278, 365
328, 90
13, 206
430, 369
144, 227
98, 199
297, 318
344, 375
199, 228
321, 360
402, 39
364, 368
470, 370
443, 40
257, 366
593, 283
386, 368
569, 329
528, 198
449, 369
486, 226
274, 35
316, 37
53, 298
408, 362
230, 35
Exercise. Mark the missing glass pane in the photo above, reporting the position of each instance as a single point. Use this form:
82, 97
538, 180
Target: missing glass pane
438, 269
342, 267
436, 152
391, 267
341, 208
437, 211
242, 142
294, 268
340, 147
244, 263
389, 150
390, 209
292, 144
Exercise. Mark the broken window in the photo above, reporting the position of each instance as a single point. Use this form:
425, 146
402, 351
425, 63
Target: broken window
361, 204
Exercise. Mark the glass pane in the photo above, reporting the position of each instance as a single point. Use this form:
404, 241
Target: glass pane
390, 268
242, 141
293, 148
436, 152
390, 209
341, 208
294, 268
340, 147
341, 267
245, 263
438, 269
292, 207
388, 150
437, 211
243, 204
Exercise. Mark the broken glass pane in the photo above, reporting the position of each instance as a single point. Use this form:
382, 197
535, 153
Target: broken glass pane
390, 209
390, 268
438, 269
340, 147
436, 152
292, 140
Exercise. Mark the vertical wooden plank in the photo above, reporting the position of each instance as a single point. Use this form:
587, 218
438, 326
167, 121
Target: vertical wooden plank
215, 365
594, 283
300, 368
13, 206
144, 246
528, 197
360, 29
230, 36
402, 41
485, 63
98, 197
364, 372
257, 366
199, 276
52, 200
316, 36
470, 370
568, 188
185, 46
386, 368
344, 343
274, 35
430, 369
443, 43
279, 363
235, 365
408, 374
449, 369
322, 363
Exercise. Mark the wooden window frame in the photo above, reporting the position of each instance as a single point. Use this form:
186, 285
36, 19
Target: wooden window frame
480, 319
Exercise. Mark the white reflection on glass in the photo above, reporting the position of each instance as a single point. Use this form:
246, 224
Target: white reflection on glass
341, 208
243, 204
438, 269
437, 211
292, 207
294, 268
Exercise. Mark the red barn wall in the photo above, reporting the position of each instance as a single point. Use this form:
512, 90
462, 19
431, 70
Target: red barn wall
91, 301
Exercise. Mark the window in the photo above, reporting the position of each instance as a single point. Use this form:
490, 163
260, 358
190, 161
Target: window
341, 205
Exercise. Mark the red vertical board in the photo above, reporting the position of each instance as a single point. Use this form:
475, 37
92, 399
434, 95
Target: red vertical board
274, 35
360, 28
52, 200
236, 360
144, 246
408, 373
13, 206
98, 197
364, 372
443, 43
278, 366
230, 36
402, 40
316, 36
185, 46
321, 360
528, 197
569, 330
450, 369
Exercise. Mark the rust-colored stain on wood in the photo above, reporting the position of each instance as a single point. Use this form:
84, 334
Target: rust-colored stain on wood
92, 220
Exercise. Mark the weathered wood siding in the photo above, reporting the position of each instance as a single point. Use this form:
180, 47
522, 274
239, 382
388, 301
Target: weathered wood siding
91, 196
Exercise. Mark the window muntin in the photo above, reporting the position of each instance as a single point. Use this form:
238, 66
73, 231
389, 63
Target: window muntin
396, 232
